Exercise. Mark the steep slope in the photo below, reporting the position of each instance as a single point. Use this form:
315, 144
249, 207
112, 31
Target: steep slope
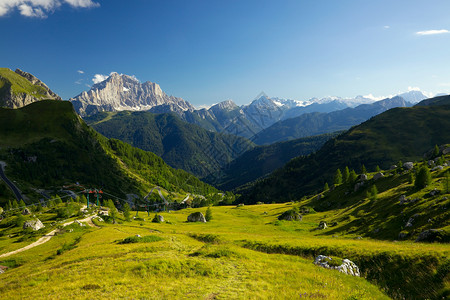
262, 160
319, 123
46, 144
20, 88
182, 145
397, 134
123, 92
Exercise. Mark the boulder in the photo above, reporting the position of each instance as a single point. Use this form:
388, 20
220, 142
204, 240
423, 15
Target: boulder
437, 168
378, 176
358, 185
434, 192
346, 266
393, 167
196, 217
446, 151
402, 199
290, 215
402, 235
35, 224
158, 219
322, 225
26, 212
362, 177
430, 235
408, 165
79, 223
138, 235
98, 218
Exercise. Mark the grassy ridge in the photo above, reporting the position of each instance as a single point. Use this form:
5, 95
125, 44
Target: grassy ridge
11, 81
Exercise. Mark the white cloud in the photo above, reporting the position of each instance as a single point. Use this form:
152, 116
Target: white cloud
432, 32
386, 26
80, 71
40, 8
99, 78
375, 98
413, 88
79, 81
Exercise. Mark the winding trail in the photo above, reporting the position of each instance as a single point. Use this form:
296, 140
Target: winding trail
47, 237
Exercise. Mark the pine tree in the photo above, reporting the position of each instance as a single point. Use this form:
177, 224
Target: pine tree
372, 193
208, 214
353, 176
436, 151
346, 174
326, 187
112, 210
57, 200
423, 178
363, 169
338, 177
126, 212
377, 169
9, 205
22, 203
15, 205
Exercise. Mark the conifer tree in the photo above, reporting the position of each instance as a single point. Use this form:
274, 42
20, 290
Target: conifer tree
15, 205
423, 178
363, 169
126, 212
22, 203
377, 169
353, 176
346, 174
326, 187
208, 214
436, 151
372, 193
338, 177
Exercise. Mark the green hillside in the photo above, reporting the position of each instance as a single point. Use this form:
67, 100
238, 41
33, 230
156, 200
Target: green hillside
11, 81
263, 160
182, 145
398, 134
46, 145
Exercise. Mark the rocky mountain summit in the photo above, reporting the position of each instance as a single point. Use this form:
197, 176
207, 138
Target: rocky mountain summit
122, 92
20, 88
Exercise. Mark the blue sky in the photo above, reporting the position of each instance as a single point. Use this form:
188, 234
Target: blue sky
209, 51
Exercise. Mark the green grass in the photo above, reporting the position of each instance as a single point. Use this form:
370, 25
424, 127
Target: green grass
19, 85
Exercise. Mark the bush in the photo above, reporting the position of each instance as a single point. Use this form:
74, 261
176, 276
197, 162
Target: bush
208, 214
423, 178
144, 239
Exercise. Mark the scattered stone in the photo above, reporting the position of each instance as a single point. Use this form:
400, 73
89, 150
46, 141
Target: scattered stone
3, 269
358, 238
240, 205
347, 266
408, 165
358, 185
440, 168
98, 218
434, 192
323, 225
196, 217
334, 224
33, 224
362, 177
290, 215
411, 220
26, 211
79, 223
431, 163
393, 167
430, 235
138, 235
446, 151
402, 199
70, 230
378, 176
158, 219
403, 235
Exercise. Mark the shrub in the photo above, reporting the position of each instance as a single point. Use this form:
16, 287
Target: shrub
208, 214
143, 239
423, 178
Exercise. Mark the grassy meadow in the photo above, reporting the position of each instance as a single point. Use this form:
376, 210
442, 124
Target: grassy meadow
242, 253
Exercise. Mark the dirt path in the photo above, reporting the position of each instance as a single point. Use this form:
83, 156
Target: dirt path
47, 237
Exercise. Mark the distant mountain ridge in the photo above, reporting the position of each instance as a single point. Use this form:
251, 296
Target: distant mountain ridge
19, 88
123, 92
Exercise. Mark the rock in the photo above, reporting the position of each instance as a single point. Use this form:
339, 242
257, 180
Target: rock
290, 215
430, 235
322, 225
378, 176
440, 168
402, 199
35, 224
393, 167
402, 235
196, 217
362, 177
138, 235
79, 223
240, 204
434, 192
411, 220
446, 151
158, 219
408, 165
26, 211
431, 163
358, 185
3, 269
334, 224
347, 266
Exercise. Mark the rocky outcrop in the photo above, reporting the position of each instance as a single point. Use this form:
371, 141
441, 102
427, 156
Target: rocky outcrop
20, 88
123, 92
158, 219
378, 176
290, 215
26, 211
431, 235
408, 165
322, 225
196, 217
33, 224
345, 266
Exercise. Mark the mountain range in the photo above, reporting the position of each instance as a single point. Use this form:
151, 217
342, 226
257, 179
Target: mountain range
123, 92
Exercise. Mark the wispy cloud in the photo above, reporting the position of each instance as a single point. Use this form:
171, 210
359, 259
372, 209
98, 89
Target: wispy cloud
432, 32
41, 8
386, 26
99, 78
80, 71
79, 81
